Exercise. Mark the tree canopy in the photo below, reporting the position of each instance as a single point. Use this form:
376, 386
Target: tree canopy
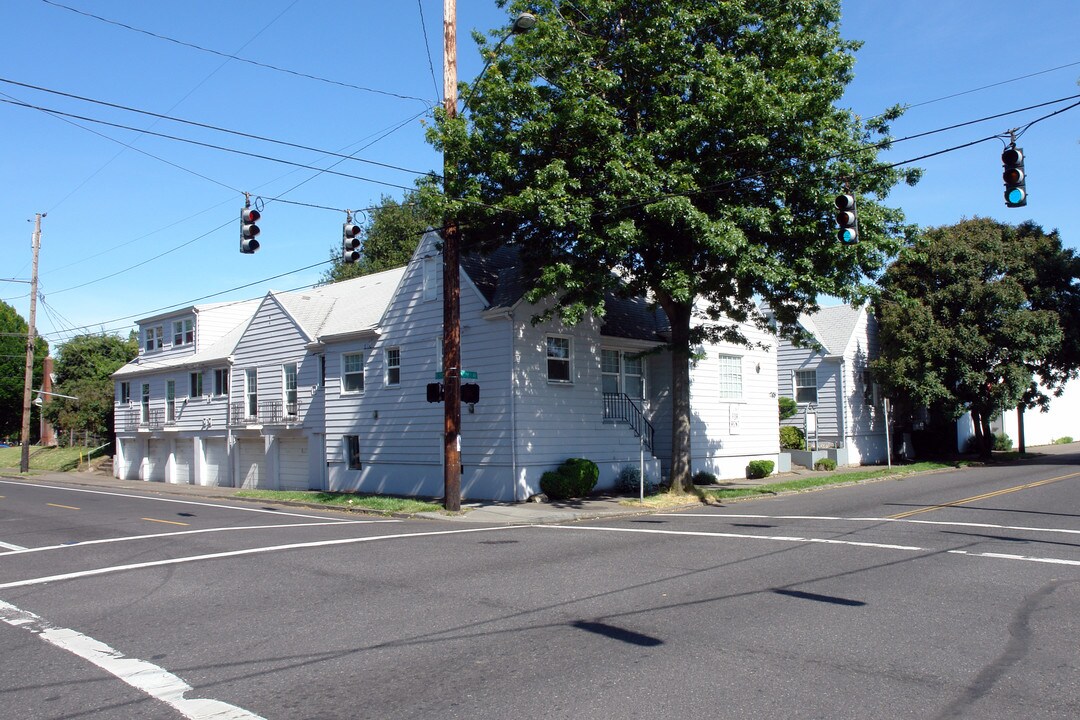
973, 312
13, 333
685, 151
388, 240
84, 368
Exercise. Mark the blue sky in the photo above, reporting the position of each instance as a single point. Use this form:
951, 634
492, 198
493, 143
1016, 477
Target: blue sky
138, 227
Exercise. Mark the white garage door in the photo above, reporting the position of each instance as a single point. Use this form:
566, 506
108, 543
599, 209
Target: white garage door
252, 463
128, 458
293, 464
157, 457
184, 459
217, 462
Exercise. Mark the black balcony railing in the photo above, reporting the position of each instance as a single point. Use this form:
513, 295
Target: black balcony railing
153, 419
270, 412
618, 407
128, 419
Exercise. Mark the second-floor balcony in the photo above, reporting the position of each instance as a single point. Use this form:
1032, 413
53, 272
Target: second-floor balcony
267, 412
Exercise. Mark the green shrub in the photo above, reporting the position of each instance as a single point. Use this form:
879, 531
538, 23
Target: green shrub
825, 464
1063, 440
791, 438
629, 482
788, 407
759, 469
704, 477
1002, 442
576, 477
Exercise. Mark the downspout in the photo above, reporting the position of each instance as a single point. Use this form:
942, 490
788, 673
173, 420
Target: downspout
513, 402
230, 472
843, 406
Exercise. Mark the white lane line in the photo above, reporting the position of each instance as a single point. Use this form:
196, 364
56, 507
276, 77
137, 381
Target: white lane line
9, 546
738, 536
16, 550
168, 500
818, 541
156, 682
984, 526
249, 551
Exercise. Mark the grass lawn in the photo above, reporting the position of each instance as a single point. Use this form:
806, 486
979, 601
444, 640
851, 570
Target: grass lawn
373, 503
52, 459
706, 495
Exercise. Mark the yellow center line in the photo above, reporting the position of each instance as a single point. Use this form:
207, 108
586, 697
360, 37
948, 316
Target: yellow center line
984, 496
167, 522
66, 507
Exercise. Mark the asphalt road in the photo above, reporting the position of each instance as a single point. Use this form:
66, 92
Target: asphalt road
948, 595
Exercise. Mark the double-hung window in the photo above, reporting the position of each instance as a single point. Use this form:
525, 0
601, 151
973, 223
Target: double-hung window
622, 372
352, 372
196, 385
558, 359
731, 380
806, 386
289, 383
183, 332
251, 391
153, 337
125, 393
393, 366
170, 401
352, 451
144, 407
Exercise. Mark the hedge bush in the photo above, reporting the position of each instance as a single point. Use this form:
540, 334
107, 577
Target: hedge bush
629, 482
575, 478
704, 477
1002, 442
825, 464
759, 469
787, 407
791, 438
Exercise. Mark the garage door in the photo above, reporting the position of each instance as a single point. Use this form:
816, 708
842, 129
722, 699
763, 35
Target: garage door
128, 458
252, 463
157, 457
217, 462
184, 459
293, 464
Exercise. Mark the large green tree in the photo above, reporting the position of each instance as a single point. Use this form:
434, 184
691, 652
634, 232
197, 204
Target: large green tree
84, 368
684, 150
971, 313
389, 238
13, 334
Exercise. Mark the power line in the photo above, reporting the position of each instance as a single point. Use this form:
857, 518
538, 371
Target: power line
233, 57
207, 126
201, 144
427, 48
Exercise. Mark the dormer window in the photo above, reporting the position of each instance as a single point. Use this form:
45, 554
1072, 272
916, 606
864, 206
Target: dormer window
153, 337
183, 332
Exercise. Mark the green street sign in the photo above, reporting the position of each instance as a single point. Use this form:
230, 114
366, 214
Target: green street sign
465, 375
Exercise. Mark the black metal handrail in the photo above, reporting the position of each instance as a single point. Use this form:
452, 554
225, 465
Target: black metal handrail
155, 419
620, 408
238, 416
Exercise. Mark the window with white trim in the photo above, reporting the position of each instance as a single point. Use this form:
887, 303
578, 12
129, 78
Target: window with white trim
558, 359
289, 386
352, 373
170, 401
730, 386
393, 366
153, 337
806, 386
431, 278
144, 407
183, 332
622, 372
125, 393
196, 389
251, 391
221, 381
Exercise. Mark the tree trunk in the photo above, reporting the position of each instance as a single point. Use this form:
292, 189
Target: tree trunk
988, 437
1021, 443
679, 315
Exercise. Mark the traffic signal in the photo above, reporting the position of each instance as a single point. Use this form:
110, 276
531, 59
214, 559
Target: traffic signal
847, 219
248, 230
1015, 188
350, 242
470, 393
434, 392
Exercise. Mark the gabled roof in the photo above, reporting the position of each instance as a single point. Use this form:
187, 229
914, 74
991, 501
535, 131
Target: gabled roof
341, 308
503, 280
833, 326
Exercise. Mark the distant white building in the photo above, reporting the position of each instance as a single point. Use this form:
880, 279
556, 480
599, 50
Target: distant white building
1040, 428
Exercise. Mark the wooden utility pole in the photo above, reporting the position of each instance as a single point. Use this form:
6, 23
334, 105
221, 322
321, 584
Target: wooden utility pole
28, 377
451, 283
